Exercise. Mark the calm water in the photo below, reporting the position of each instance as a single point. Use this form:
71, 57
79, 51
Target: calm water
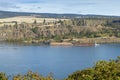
61, 61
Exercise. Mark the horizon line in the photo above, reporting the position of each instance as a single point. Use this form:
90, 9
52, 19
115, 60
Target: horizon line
60, 13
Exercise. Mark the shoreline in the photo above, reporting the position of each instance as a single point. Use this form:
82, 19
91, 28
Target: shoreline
74, 42
86, 41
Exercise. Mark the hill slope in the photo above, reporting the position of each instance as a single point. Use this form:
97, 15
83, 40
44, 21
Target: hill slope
6, 14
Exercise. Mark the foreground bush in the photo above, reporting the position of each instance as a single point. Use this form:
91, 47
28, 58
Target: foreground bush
29, 76
32, 76
3, 76
102, 70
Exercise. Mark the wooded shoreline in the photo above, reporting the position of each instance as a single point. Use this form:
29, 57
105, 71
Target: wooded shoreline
69, 42
61, 32
86, 42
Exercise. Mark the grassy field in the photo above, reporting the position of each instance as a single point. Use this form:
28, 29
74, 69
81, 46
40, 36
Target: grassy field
28, 19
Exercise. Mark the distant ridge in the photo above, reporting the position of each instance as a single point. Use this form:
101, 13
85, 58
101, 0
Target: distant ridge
7, 14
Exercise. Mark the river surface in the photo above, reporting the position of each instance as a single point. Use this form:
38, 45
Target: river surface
61, 61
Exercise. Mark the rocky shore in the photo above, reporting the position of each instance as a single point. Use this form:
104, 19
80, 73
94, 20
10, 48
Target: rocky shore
68, 42
86, 42
61, 44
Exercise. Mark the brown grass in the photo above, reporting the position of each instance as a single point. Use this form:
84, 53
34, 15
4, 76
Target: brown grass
28, 19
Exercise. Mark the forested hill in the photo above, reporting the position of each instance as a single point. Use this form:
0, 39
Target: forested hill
6, 14
50, 27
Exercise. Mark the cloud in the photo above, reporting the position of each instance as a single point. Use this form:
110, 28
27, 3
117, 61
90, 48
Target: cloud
52, 6
107, 7
4, 5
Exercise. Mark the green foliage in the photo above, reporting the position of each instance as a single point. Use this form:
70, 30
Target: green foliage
44, 21
35, 21
58, 38
14, 40
3, 76
35, 30
32, 76
102, 70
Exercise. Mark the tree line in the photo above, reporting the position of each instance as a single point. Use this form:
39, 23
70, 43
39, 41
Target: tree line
62, 29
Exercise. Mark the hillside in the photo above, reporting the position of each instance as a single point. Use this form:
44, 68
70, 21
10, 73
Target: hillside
28, 19
53, 27
6, 14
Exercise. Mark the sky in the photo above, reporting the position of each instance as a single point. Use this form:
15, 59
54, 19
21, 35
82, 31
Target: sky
98, 7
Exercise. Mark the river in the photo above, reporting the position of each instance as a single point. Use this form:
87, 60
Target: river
61, 61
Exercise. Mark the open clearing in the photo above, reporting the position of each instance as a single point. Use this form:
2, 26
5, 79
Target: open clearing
28, 19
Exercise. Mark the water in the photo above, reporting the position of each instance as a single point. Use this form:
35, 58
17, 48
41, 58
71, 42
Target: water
61, 61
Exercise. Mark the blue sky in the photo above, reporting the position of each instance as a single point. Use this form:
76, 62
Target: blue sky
99, 7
